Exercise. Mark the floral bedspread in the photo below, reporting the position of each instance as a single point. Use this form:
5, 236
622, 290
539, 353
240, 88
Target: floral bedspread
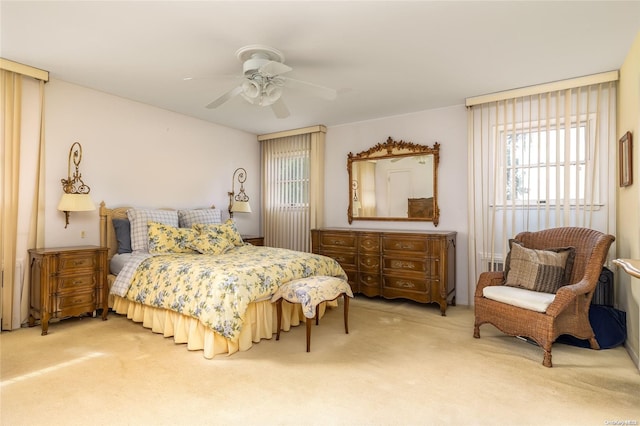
217, 289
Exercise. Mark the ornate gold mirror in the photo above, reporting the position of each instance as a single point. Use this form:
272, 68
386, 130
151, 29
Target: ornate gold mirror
395, 180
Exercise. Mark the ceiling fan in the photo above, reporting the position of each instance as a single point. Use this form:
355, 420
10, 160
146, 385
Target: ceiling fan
263, 83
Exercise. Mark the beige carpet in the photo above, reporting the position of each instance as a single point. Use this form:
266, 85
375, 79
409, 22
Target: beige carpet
401, 364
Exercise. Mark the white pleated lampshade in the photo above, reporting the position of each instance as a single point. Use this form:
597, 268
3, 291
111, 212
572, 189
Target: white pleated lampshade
76, 203
241, 206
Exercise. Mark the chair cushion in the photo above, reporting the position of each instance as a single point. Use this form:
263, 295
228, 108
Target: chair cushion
520, 297
539, 270
311, 291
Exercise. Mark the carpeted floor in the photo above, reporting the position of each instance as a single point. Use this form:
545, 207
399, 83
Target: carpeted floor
401, 364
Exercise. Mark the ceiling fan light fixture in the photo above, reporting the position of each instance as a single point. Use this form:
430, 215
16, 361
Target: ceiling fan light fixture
263, 83
271, 93
251, 90
262, 91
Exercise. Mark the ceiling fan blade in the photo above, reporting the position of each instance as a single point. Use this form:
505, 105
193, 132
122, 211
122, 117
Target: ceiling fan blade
315, 89
280, 109
274, 68
224, 98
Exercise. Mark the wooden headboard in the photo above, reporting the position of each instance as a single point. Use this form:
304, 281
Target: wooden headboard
107, 232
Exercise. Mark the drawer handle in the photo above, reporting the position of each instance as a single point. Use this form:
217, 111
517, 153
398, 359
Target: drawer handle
405, 284
403, 265
338, 242
405, 246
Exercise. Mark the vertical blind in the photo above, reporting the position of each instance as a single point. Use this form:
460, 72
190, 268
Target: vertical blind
536, 161
286, 168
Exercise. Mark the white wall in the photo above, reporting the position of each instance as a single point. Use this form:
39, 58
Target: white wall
448, 126
627, 288
142, 156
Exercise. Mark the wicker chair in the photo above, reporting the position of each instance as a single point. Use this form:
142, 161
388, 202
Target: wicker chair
569, 311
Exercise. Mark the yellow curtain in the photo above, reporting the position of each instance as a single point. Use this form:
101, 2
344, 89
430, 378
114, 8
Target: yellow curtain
11, 111
21, 217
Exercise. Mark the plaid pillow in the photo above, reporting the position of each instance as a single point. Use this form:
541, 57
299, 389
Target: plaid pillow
539, 270
140, 219
188, 218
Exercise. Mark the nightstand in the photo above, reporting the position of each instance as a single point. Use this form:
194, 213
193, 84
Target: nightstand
252, 239
67, 281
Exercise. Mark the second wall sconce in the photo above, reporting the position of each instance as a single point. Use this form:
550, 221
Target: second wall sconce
76, 194
238, 202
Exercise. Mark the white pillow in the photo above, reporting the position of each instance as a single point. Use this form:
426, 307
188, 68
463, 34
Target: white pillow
140, 219
188, 218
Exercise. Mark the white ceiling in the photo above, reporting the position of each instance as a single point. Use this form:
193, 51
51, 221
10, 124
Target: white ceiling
385, 58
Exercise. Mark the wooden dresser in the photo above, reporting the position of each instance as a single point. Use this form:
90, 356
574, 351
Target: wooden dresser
419, 266
67, 281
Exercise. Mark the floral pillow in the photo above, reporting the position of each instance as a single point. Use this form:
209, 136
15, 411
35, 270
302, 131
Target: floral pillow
225, 230
210, 243
170, 239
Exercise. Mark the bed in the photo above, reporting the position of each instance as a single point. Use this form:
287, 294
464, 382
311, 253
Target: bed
188, 275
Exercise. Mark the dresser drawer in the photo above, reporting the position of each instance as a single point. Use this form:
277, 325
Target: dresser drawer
75, 261
391, 264
369, 243
369, 263
400, 243
76, 282
342, 240
345, 259
403, 283
370, 284
77, 300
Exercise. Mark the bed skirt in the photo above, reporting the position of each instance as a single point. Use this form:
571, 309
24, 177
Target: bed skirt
260, 322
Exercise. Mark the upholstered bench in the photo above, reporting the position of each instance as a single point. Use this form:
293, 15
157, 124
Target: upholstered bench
310, 292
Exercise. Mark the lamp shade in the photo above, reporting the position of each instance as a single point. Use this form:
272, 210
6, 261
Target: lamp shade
76, 203
241, 206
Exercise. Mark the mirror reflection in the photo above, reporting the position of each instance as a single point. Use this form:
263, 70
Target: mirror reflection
394, 181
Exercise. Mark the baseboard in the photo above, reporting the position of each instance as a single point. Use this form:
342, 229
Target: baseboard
633, 355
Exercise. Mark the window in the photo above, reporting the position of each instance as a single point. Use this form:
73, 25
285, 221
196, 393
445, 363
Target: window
544, 163
292, 181
292, 186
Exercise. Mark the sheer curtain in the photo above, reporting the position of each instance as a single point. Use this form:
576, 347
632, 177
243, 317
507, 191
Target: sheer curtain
21, 189
292, 186
539, 157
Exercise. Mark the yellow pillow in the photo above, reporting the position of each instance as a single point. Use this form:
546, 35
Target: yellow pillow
210, 243
225, 230
169, 239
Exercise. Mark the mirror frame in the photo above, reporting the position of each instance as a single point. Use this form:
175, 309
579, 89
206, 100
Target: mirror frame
394, 149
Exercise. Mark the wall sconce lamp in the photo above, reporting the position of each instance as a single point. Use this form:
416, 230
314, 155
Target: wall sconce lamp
238, 202
76, 194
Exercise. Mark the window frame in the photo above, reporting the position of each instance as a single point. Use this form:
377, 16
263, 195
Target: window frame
500, 134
